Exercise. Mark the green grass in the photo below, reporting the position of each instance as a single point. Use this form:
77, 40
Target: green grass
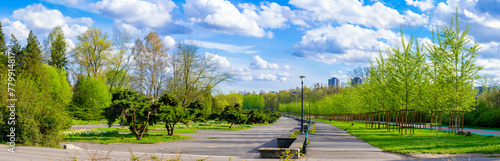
91, 122
423, 141
124, 138
153, 130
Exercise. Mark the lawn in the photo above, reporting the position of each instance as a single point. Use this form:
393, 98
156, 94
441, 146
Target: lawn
107, 137
209, 125
152, 130
423, 141
91, 122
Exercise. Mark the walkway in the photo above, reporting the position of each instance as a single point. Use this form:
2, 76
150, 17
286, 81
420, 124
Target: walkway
332, 143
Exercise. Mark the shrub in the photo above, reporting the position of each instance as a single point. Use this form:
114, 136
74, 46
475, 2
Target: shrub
40, 108
90, 98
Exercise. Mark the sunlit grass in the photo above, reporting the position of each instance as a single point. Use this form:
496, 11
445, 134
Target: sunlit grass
423, 141
151, 131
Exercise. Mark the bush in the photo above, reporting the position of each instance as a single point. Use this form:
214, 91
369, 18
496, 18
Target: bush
90, 99
40, 108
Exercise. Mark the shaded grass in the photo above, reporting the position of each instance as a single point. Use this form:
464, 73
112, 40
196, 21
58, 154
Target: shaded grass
124, 138
210, 125
153, 130
91, 122
423, 141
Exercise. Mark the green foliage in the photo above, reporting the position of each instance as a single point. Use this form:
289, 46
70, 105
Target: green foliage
3, 44
253, 102
171, 112
92, 51
56, 47
39, 110
59, 85
90, 98
31, 59
223, 100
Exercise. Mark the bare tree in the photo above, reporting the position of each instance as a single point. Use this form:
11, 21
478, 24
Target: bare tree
151, 70
193, 74
120, 62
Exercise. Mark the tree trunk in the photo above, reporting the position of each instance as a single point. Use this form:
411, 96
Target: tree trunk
231, 125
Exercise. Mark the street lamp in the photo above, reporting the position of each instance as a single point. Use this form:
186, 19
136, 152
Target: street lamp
302, 100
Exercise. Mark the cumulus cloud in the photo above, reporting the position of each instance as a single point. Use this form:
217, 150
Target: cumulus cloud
259, 63
38, 16
244, 74
341, 44
423, 5
169, 42
353, 11
220, 60
281, 77
224, 17
138, 12
17, 28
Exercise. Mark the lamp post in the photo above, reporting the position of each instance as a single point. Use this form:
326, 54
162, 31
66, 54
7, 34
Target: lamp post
302, 100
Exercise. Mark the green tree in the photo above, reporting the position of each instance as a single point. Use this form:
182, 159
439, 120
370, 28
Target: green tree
120, 63
137, 110
91, 52
253, 102
3, 49
31, 58
55, 45
90, 98
171, 112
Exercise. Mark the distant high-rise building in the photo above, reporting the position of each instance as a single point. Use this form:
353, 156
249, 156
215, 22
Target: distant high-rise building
356, 81
334, 81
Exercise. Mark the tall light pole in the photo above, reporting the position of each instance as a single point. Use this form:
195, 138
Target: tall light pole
302, 100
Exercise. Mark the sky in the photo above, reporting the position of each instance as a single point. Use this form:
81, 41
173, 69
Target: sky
269, 44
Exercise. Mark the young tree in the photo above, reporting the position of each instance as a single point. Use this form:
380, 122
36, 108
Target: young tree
91, 52
136, 108
3, 44
193, 74
171, 112
151, 71
55, 46
234, 115
120, 63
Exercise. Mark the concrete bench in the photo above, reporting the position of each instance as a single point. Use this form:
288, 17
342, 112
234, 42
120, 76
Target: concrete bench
294, 145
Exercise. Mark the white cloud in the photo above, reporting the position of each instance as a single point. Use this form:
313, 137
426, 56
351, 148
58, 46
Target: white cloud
280, 77
140, 13
17, 28
353, 11
244, 74
423, 5
70, 45
226, 47
259, 63
224, 17
38, 16
484, 20
341, 44
220, 60
169, 42
285, 67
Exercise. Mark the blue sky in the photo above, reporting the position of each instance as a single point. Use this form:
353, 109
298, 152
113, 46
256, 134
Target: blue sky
269, 44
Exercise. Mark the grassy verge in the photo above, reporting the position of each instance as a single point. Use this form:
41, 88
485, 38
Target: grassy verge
152, 130
423, 141
91, 122
211, 125
113, 137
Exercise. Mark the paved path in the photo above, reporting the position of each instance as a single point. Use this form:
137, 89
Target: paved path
332, 143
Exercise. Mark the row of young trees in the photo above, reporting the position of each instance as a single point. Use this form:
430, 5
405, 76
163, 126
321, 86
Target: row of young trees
437, 76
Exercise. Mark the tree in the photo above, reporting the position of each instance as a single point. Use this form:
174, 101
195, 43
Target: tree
15, 49
31, 56
91, 52
234, 115
3, 44
90, 98
151, 70
136, 108
55, 46
193, 75
171, 112
253, 102
120, 63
